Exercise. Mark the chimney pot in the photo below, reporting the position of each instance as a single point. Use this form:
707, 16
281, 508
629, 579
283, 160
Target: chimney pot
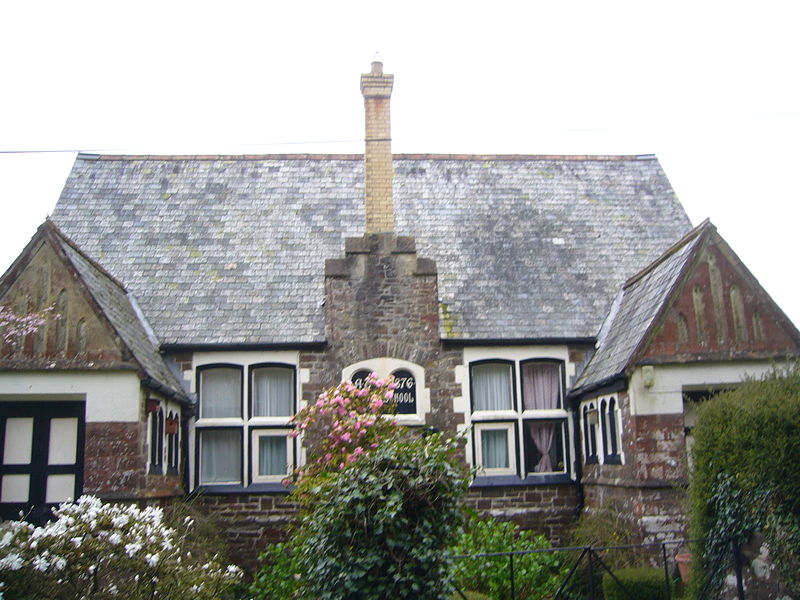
377, 90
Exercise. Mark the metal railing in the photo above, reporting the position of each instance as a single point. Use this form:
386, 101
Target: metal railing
591, 556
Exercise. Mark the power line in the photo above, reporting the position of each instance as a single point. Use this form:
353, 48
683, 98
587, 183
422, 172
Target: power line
74, 150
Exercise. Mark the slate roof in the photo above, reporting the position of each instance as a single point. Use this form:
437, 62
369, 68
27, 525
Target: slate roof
636, 309
120, 309
231, 249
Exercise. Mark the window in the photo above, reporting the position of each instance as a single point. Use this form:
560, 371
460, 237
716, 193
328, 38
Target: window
600, 422
590, 433
173, 441
492, 387
493, 444
610, 435
527, 438
272, 452
238, 442
156, 437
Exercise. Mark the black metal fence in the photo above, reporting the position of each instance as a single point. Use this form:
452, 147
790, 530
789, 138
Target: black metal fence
582, 581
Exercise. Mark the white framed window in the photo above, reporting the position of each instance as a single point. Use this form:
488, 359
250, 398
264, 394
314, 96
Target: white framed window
242, 432
495, 445
539, 436
271, 454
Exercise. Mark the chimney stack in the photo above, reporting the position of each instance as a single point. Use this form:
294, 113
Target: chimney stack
377, 90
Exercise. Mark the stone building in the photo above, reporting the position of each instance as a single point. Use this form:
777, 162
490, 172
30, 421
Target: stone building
559, 310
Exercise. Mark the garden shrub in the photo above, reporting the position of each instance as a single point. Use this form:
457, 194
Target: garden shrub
536, 575
745, 476
640, 583
607, 528
379, 503
94, 550
281, 576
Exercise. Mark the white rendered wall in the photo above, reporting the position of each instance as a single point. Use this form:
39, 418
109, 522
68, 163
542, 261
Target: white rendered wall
665, 395
110, 396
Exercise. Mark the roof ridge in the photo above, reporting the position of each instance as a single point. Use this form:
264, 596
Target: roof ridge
397, 156
669, 252
72, 244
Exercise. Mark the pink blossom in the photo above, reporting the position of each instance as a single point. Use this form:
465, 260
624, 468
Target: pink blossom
389, 395
328, 457
345, 436
358, 450
320, 403
294, 433
373, 445
352, 458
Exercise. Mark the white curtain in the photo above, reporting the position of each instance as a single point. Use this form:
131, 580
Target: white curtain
272, 455
272, 392
491, 387
220, 393
220, 456
494, 448
541, 391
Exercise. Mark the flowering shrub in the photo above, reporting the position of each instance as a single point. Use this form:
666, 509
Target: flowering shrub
14, 326
344, 424
98, 551
380, 505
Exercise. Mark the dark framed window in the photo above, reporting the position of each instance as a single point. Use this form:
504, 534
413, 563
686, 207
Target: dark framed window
533, 445
590, 417
219, 451
244, 442
610, 432
157, 441
272, 390
492, 385
220, 391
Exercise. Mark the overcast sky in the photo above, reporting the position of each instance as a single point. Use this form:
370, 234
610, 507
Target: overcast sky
711, 88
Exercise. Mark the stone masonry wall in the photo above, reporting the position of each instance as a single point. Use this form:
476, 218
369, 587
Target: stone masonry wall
649, 489
547, 509
115, 464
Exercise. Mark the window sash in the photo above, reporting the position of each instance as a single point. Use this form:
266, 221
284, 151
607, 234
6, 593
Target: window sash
545, 450
495, 448
220, 456
273, 392
220, 393
491, 387
541, 385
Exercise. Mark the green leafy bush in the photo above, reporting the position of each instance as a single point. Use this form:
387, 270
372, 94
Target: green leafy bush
94, 550
380, 505
745, 476
640, 583
281, 577
604, 529
536, 575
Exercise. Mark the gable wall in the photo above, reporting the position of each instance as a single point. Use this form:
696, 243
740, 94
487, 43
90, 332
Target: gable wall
719, 314
76, 335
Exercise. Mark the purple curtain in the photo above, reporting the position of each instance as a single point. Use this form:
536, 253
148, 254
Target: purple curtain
541, 391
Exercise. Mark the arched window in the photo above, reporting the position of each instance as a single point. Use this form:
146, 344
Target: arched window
590, 432
610, 432
156, 414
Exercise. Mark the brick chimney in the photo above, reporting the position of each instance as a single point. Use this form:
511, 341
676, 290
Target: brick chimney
377, 90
